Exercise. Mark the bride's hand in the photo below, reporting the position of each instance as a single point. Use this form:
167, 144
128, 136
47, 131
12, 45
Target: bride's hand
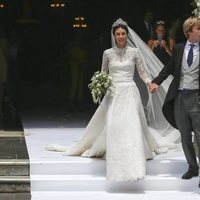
153, 87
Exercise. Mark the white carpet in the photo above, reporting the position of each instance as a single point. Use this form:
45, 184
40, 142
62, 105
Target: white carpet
58, 177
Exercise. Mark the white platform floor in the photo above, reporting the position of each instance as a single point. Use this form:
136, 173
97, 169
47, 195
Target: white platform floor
58, 177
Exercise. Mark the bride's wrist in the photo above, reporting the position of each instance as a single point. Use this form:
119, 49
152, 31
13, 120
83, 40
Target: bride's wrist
149, 84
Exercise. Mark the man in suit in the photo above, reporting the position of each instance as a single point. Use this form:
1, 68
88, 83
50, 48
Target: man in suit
148, 18
182, 103
146, 28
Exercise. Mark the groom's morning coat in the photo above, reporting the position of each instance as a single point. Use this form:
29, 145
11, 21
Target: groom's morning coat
173, 68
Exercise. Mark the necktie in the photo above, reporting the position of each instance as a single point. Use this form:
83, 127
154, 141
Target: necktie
190, 55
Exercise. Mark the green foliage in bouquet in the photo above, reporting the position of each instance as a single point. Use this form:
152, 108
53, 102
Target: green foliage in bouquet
100, 82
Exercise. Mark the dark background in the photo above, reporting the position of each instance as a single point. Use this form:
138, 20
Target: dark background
40, 37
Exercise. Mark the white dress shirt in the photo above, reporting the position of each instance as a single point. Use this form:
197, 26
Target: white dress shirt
195, 49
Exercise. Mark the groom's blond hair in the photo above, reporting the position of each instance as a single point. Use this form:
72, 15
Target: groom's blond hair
189, 24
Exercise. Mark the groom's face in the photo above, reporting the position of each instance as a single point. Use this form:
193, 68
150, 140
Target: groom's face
194, 35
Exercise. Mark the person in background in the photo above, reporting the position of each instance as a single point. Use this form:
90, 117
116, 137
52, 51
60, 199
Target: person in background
147, 32
161, 44
77, 57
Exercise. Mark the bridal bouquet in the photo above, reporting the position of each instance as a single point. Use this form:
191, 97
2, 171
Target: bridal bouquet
100, 82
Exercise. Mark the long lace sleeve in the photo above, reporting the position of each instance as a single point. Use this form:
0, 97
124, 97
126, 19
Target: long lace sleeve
140, 67
104, 66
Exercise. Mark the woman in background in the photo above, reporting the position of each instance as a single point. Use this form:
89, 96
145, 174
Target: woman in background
160, 44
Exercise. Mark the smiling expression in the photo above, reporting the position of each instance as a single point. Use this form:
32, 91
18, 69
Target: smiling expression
121, 37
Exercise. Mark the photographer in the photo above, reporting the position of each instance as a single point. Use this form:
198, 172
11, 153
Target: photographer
160, 44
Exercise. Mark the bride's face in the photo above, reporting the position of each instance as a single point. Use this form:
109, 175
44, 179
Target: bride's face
121, 37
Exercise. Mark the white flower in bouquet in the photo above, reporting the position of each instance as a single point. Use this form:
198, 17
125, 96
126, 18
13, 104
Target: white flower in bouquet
100, 82
196, 11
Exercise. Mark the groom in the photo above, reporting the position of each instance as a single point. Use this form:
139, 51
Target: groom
182, 103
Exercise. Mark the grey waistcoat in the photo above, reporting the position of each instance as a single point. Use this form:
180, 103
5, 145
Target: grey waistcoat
189, 75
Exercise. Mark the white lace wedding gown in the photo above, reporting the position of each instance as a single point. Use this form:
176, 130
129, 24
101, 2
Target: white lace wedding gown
118, 130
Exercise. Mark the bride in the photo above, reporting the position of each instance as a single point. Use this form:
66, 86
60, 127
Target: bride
118, 131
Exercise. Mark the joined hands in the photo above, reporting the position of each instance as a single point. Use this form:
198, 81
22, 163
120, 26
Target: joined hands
153, 87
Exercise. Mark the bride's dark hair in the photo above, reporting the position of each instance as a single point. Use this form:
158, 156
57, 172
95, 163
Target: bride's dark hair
119, 26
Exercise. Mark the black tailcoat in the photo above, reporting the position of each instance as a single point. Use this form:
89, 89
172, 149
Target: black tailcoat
173, 68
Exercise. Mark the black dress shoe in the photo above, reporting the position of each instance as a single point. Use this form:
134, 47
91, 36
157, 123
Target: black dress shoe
189, 174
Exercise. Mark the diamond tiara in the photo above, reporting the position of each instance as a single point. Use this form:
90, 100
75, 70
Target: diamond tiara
119, 22
160, 22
